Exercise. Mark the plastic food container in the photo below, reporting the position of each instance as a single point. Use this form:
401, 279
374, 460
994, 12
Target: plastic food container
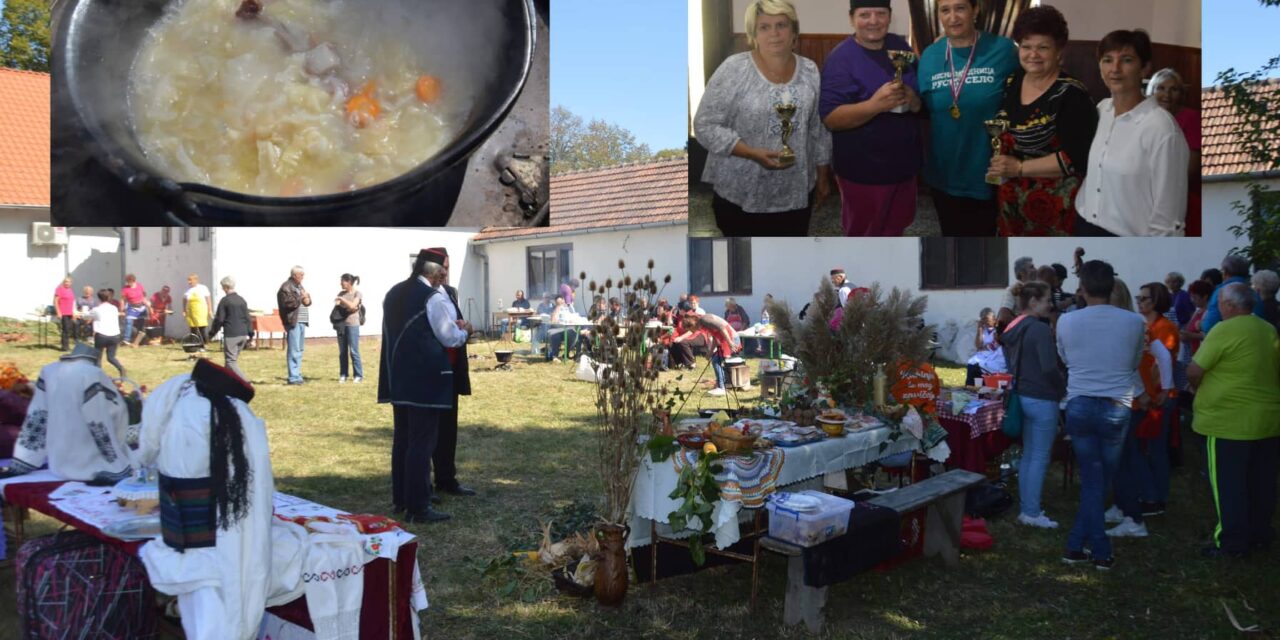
807, 528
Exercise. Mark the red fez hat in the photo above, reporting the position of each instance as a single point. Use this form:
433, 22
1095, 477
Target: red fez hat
434, 254
221, 380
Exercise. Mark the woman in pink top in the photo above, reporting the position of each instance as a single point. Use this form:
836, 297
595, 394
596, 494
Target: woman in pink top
64, 303
136, 307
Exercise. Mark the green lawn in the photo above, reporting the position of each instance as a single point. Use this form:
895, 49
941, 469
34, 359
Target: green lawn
525, 443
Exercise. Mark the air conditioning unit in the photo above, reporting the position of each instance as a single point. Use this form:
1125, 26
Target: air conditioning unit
42, 233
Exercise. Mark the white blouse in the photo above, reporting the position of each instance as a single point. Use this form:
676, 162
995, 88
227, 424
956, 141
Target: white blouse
739, 105
1137, 179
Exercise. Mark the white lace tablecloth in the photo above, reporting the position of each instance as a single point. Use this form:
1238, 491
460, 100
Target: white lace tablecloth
656, 480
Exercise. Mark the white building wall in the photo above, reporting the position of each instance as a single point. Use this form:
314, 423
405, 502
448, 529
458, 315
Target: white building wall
90, 256
1168, 21
259, 259
597, 254
156, 265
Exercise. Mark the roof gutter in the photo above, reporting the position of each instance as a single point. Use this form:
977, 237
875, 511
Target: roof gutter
483, 254
584, 232
1241, 177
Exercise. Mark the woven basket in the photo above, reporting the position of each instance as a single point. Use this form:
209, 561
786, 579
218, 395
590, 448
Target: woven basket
731, 441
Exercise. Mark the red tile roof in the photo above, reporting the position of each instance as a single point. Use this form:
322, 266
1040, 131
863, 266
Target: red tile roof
629, 195
24, 138
1222, 153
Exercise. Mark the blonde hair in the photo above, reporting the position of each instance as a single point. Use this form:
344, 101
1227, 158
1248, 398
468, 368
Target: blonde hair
1120, 296
769, 8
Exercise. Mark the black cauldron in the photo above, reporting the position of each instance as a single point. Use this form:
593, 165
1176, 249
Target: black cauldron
96, 41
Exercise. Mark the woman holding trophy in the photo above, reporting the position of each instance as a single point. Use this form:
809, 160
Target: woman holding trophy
961, 83
1044, 127
758, 119
868, 98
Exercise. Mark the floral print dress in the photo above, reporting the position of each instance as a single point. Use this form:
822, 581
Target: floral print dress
1060, 122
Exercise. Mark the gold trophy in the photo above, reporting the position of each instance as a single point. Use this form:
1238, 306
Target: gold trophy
995, 129
786, 112
901, 59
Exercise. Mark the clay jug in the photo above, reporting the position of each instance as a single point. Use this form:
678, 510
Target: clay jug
611, 566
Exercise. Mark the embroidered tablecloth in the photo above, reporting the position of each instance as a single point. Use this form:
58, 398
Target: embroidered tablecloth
651, 501
746, 480
395, 552
985, 420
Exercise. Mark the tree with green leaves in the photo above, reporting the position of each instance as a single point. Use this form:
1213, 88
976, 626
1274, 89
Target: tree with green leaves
1257, 101
577, 144
24, 35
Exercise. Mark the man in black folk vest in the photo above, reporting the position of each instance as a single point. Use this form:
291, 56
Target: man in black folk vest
446, 449
422, 337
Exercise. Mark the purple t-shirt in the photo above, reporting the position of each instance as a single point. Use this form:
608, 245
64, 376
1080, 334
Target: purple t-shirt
887, 149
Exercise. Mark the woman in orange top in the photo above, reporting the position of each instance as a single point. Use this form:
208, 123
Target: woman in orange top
1147, 449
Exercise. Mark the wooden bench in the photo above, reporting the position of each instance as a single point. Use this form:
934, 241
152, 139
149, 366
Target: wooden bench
943, 494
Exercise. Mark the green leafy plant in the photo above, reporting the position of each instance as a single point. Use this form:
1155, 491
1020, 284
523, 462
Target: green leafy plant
661, 447
699, 492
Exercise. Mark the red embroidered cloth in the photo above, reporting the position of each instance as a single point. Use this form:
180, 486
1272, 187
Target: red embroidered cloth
376, 609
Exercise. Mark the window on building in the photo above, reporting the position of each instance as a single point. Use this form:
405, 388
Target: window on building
184, 235
720, 266
166, 236
134, 232
964, 263
548, 266
204, 234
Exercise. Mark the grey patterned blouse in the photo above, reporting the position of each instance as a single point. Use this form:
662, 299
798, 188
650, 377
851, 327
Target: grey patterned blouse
739, 105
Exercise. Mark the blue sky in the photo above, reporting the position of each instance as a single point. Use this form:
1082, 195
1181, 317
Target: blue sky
1237, 33
624, 62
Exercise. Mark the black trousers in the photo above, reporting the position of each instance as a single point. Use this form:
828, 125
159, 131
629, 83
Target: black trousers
1243, 476
447, 449
972, 371
106, 345
965, 217
681, 354
412, 445
736, 223
68, 331
1085, 229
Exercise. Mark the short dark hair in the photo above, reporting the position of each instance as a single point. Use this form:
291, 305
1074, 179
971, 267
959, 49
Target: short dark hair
1045, 272
103, 295
1202, 288
1061, 272
1097, 278
1159, 296
1121, 38
1213, 275
1043, 20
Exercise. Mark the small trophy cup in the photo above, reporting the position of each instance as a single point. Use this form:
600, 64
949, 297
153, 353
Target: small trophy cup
995, 129
901, 59
786, 157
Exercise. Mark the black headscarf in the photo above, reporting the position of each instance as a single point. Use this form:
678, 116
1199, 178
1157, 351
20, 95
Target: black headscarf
229, 473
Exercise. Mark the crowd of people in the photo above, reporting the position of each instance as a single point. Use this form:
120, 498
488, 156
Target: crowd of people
1124, 373
1127, 166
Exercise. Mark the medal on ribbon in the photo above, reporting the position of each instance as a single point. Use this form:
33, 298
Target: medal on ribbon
957, 80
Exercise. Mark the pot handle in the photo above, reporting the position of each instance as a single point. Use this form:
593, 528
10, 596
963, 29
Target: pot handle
177, 206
